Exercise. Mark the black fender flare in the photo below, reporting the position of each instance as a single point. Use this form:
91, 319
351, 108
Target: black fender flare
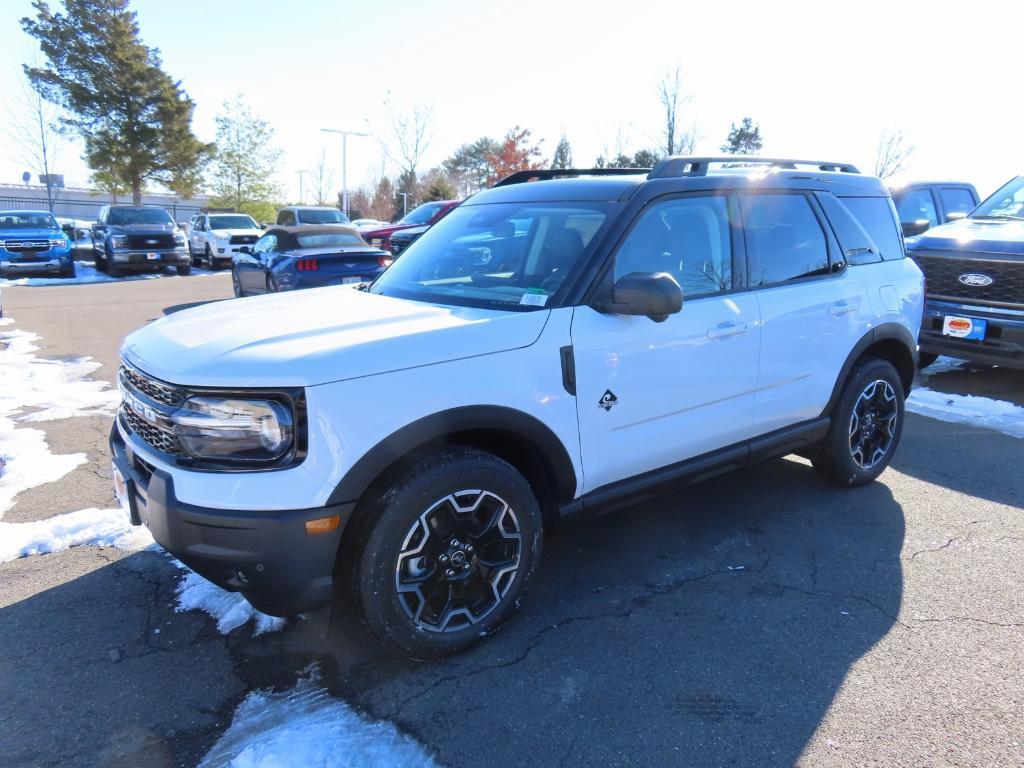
438, 426
884, 332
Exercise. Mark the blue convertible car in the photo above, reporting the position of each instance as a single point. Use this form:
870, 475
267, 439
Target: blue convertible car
32, 242
290, 258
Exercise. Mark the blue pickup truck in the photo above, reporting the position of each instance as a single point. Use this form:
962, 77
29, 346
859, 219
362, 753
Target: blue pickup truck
32, 243
974, 269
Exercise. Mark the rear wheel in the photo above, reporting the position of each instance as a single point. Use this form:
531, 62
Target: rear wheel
446, 552
272, 286
866, 425
68, 270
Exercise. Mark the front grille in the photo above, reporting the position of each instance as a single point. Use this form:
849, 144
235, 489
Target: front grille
153, 388
243, 239
157, 437
149, 242
943, 275
27, 246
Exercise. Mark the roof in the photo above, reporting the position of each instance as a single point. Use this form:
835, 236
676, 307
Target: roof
309, 208
288, 236
946, 183
24, 210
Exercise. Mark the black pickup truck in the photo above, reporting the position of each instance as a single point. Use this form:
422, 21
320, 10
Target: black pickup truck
922, 205
138, 238
974, 269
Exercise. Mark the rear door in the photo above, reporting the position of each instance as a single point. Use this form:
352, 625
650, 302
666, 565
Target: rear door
650, 394
813, 310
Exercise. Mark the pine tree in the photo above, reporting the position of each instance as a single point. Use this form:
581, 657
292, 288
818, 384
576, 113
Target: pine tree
246, 161
743, 140
563, 154
135, 120
468, 166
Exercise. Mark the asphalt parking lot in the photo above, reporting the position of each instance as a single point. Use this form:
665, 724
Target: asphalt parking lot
764, 618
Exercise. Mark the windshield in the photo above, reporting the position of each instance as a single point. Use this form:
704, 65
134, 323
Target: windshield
330, 240
321, 216
1007, 202
127, 216
422, 215
234, 221
512, 256
27, 220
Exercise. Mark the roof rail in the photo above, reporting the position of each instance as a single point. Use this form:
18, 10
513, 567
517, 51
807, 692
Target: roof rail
698, 166
546, 174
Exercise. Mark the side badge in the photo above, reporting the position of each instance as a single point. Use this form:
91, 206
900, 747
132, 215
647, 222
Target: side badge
608, 399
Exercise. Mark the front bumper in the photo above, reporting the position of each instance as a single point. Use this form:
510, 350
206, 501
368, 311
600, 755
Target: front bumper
150, 259
1004, 336
48, 262
267, 556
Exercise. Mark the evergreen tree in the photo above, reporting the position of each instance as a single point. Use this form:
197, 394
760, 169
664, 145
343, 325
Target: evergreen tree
744, 139
135, 120
563, 154
246, 161
468, 166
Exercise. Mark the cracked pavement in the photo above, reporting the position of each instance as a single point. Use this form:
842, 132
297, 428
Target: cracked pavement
761, 618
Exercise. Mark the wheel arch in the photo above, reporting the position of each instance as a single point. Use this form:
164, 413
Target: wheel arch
890, 341
514, 436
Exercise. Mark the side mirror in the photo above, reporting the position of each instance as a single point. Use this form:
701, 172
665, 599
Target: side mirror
648, 294
914, 228
955, 215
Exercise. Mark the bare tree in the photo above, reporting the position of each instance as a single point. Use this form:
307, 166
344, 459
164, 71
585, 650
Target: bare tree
408, 136
34, 135
323, 179
679, 138
894, 150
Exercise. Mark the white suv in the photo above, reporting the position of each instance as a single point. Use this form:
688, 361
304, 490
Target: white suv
547, 351
216, 237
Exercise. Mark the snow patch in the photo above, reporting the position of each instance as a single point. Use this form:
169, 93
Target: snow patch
86, 272
230, 609
968, 409
306, 726
26, 461
98, 527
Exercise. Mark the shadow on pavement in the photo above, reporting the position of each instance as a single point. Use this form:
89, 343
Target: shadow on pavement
712, 627
179, 307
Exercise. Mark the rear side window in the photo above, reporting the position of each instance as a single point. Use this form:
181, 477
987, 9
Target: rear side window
785, 238
878, 217
957, 200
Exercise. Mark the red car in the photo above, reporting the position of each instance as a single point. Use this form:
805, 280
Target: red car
426, 214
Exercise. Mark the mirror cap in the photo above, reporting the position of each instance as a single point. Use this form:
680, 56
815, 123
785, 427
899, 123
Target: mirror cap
649, 294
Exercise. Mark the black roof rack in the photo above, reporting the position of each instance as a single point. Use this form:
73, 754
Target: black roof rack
698, 166
546, 174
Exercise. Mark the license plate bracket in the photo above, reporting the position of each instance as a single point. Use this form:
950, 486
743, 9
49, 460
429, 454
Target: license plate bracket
960, 327
152, 256
350, 280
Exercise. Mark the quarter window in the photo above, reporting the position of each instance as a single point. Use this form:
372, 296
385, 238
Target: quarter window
875, 214
785, 238
686, 237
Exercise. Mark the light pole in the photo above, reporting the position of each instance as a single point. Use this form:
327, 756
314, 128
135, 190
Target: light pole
301, 199
405, 203
344, 161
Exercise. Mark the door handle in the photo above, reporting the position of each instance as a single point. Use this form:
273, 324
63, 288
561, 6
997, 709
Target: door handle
724, 330
841, 308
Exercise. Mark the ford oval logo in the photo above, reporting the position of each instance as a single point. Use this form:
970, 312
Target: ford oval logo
973, 278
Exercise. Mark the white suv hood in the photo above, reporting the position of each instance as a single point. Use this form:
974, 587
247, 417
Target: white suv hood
310, 337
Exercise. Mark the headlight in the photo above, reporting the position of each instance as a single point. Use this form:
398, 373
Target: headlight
234, 430
179, 239
119, 241
58, 242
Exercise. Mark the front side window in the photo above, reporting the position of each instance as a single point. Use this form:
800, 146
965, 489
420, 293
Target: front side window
130, 216
689, 238
421, 215
265, 244
957, 200
784, 237
27, 220
321, 216
918, 205
1007, 202
510, 256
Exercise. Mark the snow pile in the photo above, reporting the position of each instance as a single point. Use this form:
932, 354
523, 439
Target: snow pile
968, 409
56, 389
305, 726
99, 527
86, 272
230, 609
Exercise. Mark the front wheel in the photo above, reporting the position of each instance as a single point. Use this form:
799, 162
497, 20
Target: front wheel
866, 425
447, 552
183, 269
236, 285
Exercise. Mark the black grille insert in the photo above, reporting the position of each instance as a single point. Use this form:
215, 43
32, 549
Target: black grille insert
943, 274
149, 242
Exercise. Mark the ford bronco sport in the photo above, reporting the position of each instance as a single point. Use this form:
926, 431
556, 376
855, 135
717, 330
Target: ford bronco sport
550, 350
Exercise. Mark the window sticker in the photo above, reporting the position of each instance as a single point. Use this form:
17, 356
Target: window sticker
534, 299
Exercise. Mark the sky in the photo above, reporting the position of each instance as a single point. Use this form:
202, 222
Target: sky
823, 81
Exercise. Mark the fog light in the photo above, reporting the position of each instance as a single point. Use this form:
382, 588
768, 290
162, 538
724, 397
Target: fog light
323, 525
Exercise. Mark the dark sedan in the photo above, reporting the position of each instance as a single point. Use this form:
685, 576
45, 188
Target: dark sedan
290, 258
